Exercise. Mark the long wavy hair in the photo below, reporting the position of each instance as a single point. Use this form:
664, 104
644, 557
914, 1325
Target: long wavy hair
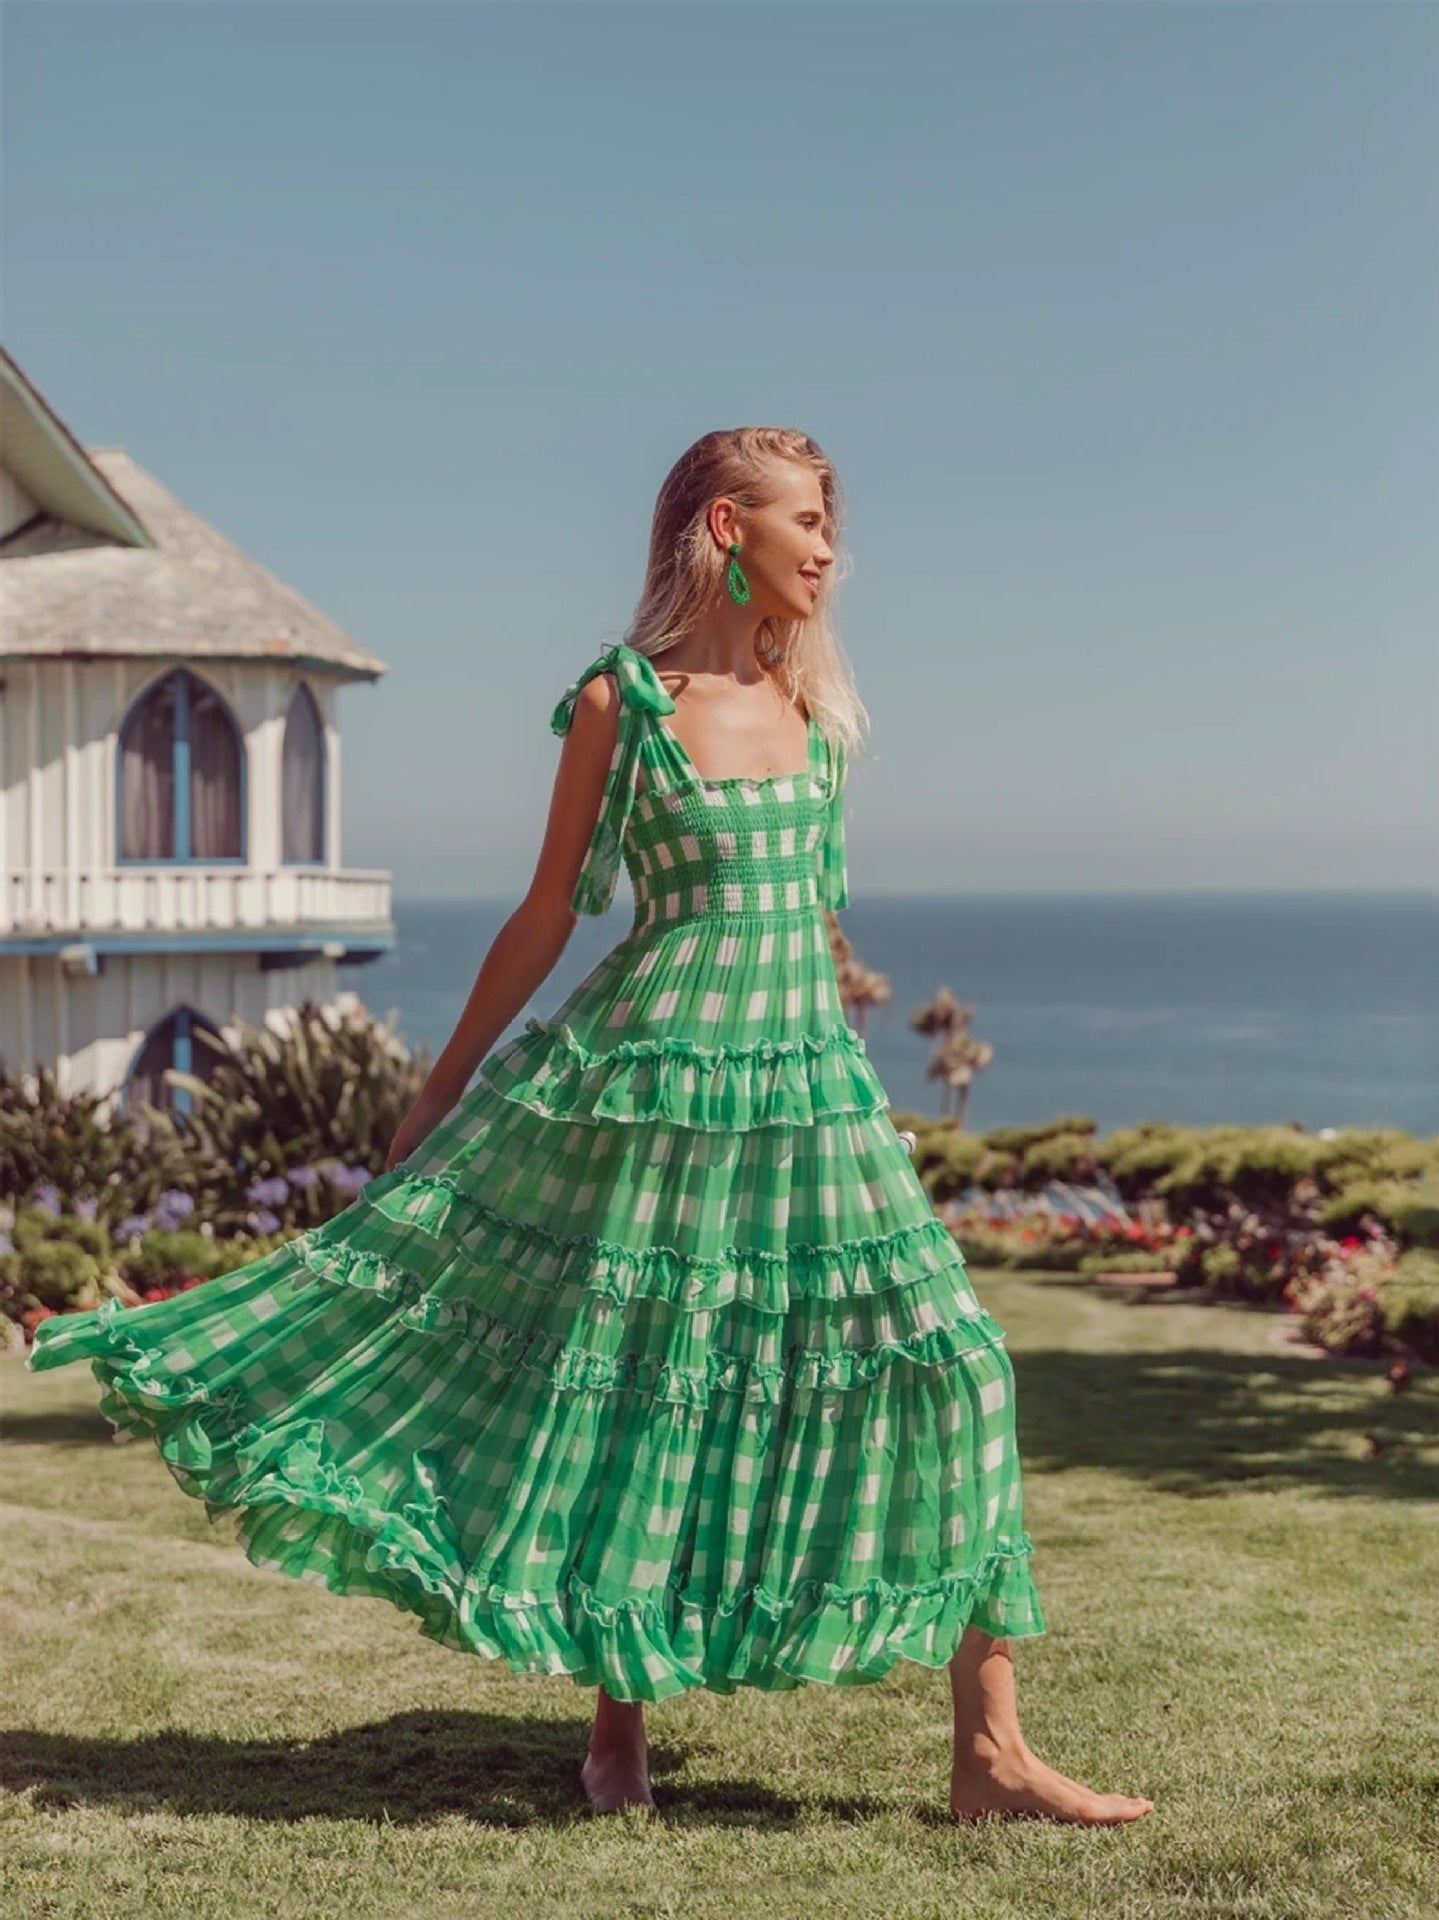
686, 569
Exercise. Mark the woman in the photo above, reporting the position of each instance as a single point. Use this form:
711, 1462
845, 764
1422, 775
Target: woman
647, 1359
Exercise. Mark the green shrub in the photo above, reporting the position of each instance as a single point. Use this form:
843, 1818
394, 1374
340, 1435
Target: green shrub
996, 1169
1228, 1272
164, 1259
1050, 1256
1130, 1260
1059, 1156
1340, 1309
947, 1161
243, 1248
79, 1145
57, 1273
1357, 1154
1342, 1212
1415, 1215
1256, 1165
1017, 1141
329, 1087
1410, 1302
1029, 1246
1137, 1156
981, 1248
34, 1228
332, 1087
1409, 1208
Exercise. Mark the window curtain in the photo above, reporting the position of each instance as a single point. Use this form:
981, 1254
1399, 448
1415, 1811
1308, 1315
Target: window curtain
303, 779
147, 778
214, 778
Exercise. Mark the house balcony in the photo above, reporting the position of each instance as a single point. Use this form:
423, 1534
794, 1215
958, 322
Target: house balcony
283, 913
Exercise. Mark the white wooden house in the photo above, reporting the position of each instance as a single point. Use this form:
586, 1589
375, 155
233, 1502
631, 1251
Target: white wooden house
169, 773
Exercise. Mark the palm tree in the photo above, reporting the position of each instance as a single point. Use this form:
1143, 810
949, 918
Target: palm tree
957, 1055
955, 1062
860, 987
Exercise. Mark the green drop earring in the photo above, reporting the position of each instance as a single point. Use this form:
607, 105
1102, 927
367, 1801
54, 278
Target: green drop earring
734, 576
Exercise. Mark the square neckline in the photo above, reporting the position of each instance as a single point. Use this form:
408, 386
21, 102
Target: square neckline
692, 773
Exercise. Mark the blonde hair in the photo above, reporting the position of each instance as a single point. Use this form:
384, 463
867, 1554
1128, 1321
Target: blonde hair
686, 568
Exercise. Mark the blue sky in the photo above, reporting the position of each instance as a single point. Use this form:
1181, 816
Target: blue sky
1119, 322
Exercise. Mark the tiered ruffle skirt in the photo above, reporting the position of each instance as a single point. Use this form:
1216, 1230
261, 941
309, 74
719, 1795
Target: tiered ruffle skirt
653, 1367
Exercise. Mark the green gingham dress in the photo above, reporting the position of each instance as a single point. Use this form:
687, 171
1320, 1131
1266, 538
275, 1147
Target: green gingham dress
653, 1365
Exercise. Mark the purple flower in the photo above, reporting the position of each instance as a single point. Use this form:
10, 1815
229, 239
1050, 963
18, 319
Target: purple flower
173, 1206
47, 1198
86, 1209
348, 1180
262, 1222
268, 1193
303, 1178
132, 1228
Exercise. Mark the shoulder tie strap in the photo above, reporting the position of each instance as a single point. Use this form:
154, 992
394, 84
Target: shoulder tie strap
833, 863
641, 694
640, 686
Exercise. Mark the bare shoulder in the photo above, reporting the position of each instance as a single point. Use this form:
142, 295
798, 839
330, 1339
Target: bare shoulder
599, 698
595, 719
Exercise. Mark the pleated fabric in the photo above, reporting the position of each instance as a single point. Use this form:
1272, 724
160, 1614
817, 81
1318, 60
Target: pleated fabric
653, 1366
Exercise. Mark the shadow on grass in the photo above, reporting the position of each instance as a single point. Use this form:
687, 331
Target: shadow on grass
495, 1769
80, 1428
1194, 1421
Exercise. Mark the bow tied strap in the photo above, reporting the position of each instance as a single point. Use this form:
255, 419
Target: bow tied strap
642, 695
833, 854
641, 689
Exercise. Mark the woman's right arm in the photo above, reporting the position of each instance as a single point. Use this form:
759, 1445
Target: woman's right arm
524, 951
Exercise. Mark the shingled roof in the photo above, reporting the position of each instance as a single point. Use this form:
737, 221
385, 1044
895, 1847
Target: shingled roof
111, 564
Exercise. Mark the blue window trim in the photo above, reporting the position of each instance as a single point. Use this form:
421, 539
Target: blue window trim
303, 686
184, 1020
180, 770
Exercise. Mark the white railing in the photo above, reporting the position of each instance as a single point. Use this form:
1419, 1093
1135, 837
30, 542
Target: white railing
189, 899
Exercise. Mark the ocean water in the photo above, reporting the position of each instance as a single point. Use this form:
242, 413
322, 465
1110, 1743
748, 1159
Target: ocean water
1321, 1009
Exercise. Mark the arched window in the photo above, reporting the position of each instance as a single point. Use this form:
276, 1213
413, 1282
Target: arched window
185, 1040
302, 797
182, 768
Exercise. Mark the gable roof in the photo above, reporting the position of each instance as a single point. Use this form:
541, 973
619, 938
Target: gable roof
112, 565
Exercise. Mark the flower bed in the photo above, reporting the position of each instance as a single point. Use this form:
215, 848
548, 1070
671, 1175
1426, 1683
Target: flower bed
1341, 1227
137, 1205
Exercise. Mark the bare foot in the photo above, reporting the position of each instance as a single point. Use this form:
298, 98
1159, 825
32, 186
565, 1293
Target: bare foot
1021, 1785
615, 1777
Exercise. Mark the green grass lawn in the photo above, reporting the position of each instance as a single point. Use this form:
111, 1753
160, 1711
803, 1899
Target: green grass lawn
1243, 1601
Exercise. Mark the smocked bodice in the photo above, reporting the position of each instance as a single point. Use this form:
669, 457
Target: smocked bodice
698, 848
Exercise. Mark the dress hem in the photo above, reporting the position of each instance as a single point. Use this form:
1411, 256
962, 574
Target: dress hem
297, 1514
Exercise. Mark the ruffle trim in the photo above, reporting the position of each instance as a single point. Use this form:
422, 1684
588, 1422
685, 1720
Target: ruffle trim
568, 1368
106, 1336
729, 1088
301, 1515
103, 1334
439, 1205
